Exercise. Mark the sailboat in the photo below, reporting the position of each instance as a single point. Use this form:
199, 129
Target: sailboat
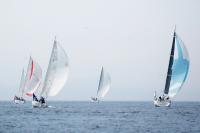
104, 86
177, 72
19, 99
56, 76
29, 83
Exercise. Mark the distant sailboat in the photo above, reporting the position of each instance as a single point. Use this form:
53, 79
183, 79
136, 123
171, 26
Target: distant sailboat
104, 86
56, 76
177, 72
19, 98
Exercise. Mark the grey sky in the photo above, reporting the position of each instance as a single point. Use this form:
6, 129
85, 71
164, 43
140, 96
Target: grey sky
131, 39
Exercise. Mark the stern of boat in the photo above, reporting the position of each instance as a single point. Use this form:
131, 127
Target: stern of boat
36, 104
164, 103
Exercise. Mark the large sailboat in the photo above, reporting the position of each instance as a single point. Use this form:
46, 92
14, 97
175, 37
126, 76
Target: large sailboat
104, 86
177, 72
19, 98
56, 76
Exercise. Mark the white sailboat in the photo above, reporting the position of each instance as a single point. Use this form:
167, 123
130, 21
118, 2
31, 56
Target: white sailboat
104, 86
177, 72
29, 83
19, 99
56, 76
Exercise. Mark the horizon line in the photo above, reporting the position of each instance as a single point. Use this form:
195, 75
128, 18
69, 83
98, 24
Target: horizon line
105, 101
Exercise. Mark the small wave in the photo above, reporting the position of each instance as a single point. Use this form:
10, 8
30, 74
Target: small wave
134, 112
121, 112
28, 112
96, 112
10, 125
95, 127
124, 112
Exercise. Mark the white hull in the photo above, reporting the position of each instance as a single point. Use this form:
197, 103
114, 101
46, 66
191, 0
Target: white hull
36, 104
19, 101
94, 101
162, 103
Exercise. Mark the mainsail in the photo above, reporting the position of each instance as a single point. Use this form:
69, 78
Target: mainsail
178, 67
33, 77
57, 72
21, 87
104, 84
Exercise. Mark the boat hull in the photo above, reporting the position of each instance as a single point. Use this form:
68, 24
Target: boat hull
162, 103
19, 101
36, 104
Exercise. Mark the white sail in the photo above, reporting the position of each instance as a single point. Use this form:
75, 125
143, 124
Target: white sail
104, 84
57, 72
180, 67
21, 87
33, 77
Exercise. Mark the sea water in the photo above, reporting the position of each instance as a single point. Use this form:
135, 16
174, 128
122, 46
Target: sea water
105, 117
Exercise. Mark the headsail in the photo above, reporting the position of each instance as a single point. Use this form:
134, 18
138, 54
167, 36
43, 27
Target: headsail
33, 77
21, 87
179, 68
57, 72
104, 84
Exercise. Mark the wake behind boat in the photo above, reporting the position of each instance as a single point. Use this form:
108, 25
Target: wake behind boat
56, 76
104, 86
177, 72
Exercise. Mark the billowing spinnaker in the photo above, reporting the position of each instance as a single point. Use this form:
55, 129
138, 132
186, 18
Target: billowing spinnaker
180, 67
21, 87
57, 73
104, 84
33, 77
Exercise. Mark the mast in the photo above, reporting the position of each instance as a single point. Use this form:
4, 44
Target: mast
21, 87
169, 73
100, 80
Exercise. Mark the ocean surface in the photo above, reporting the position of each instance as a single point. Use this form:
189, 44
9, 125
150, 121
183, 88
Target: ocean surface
105, 117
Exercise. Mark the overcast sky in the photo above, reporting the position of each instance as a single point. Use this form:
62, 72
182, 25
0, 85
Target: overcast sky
130, 38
